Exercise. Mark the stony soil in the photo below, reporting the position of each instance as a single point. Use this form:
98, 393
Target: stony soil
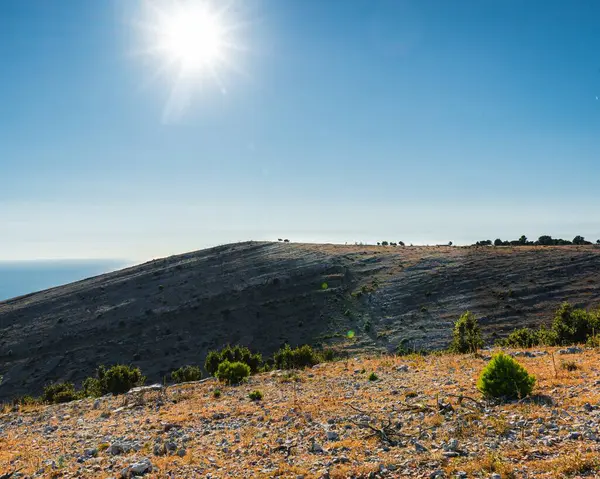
327, 422
169, 312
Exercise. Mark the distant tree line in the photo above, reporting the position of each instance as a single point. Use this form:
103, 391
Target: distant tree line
544, 240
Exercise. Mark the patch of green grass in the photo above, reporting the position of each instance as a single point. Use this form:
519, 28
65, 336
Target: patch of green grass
256, 395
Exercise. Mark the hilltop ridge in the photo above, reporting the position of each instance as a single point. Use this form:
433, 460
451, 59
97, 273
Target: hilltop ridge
168, 312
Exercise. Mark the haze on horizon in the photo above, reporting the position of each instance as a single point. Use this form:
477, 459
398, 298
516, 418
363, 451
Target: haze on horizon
125, 133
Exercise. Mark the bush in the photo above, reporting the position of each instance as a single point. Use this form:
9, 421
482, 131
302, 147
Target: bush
547, 336
503, 377
580, 240
91, 387
255, 395
233, 354
186, 373
116, 380
26, 400
298, 358
373, 377
573, 325
119, 378
466, 335
212, 361
593, 341
232, 373
217, 393
59, 393
521, 338
329, 355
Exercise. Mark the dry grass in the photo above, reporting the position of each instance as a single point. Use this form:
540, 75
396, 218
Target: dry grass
487, 464
571, 464
300, 408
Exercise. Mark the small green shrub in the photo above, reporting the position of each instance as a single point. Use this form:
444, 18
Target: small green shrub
233, 354
186, 373
521, 338
573, 325
466, 335
232, 373
91, 387
373, 377
593, 341
405, 348
255, 395
212, 361
329, 355
117, 379
59, 393
503, 377
547, 337
217, 393
26, 400
298, 358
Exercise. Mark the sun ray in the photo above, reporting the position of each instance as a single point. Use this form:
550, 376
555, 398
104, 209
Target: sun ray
192, 42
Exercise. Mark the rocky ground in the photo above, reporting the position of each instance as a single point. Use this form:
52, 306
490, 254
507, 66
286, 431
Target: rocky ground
170, 312
421, 417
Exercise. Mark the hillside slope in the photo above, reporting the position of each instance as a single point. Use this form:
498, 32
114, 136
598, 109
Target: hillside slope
169, 312
322, 423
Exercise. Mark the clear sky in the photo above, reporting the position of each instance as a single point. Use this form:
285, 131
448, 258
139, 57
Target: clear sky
343, 120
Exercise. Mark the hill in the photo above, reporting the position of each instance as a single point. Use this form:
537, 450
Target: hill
169, 312
422, 418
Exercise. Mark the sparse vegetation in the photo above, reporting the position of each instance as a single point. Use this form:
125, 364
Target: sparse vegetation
255, 395
232, 372
59, 393
544, 240
569, 365
117, 379
466, 335
573, 325
569, 326
454, 420
503, 377
186, 374
233, 354
329, 354
484, 243
297, 358
521, 338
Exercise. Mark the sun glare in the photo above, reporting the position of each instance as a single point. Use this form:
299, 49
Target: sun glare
192, 41
193, 37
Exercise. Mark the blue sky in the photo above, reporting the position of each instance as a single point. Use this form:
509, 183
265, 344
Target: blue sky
355, 120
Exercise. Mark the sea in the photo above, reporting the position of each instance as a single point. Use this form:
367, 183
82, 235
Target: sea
22, 277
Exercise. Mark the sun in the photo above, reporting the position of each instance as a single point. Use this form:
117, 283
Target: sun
192, 36
193, 44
